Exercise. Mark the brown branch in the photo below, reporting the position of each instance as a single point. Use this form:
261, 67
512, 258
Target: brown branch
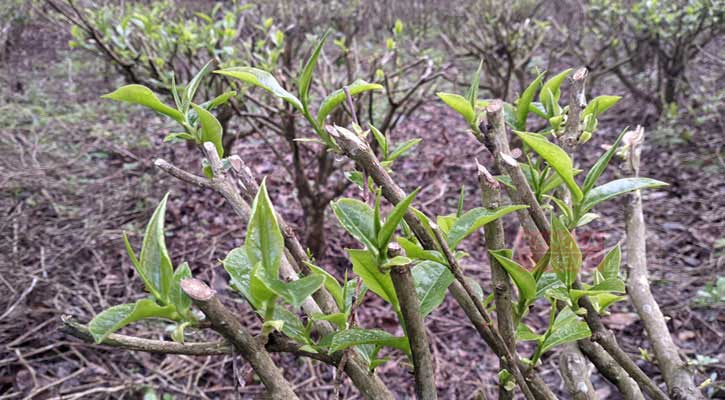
496, 140
574, 370
494, 235
425, 384
577, 101
224, 322
610, 369
679, 380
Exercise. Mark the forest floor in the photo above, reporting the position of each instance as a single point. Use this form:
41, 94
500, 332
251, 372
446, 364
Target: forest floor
77, 171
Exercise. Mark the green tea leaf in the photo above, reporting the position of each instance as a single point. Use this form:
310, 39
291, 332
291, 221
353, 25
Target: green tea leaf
306, 75
551, 92
357, 336
568, 327
239, 269
297, 291
339, 319
211, 129
176, 295
264, 242
218, 101
331, 284
357, 218
414, 250
609, 267
116, 317
617, 187
337, 97
598, 168
566, 258
522, 278
260, 295
523, 103
139, 94
460, 104
403, 148
263, 79
154, 259
614, 285
599, 105
364, 264
549, 285
193, 86
556, 157
431, 284
472, 93
525, 333
473, 220
392, 221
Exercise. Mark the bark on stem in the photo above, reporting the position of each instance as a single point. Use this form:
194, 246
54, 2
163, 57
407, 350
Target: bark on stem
498, 144
425, 386
494, 238
224, 322
678, 379
577, 101
611, 370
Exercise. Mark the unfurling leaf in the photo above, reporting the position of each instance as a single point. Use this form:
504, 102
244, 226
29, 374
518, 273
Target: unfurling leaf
523, 103
598, 168
139, 94
264, 242
330, 283
392, 221
211, 129
155, 263
599, 105
609, 267
306, 76
178, 298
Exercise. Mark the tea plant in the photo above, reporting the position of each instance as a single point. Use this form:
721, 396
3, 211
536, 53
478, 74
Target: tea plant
407, 258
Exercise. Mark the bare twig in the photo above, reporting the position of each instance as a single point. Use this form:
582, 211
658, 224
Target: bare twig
611, 370
679, 380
